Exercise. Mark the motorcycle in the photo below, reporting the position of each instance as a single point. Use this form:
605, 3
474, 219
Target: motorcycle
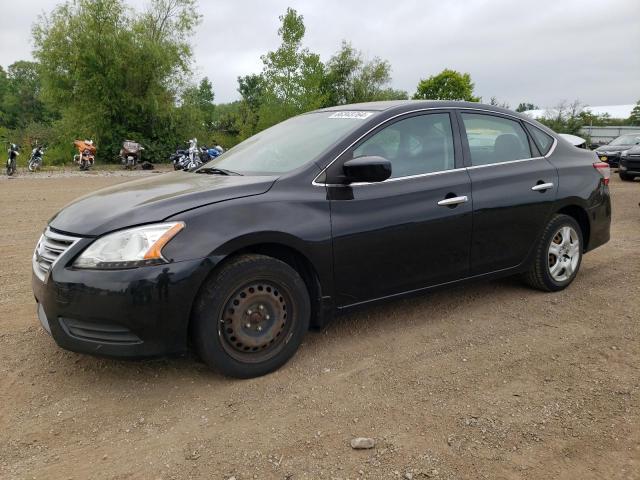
11, 161
86, 154
130, 154
210, 153
187, 159
179, 159
194, 155
35, 162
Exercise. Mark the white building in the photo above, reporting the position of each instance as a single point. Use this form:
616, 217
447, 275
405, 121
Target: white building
614, 111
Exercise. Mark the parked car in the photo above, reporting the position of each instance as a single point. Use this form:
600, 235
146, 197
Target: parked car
611, 153
630, 163
324, 212
574, 140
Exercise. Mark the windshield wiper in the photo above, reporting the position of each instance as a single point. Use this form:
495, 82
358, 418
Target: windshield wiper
216, 171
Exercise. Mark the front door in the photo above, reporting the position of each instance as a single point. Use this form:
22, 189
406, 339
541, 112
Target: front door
412, 230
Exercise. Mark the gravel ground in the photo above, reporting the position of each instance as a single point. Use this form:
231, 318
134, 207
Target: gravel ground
489, 380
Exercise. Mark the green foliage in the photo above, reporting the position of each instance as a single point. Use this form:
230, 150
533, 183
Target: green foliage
497, 103
113, 75
634, 118
524, 106
447, 85
349, 79
565, 118
292, 76
106, 72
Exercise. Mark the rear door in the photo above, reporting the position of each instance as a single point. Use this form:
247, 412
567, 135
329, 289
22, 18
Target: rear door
513, 189
404, 233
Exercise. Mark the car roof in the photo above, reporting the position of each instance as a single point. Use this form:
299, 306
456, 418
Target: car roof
407, 105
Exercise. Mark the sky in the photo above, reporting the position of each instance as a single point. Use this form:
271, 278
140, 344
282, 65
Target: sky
538, 51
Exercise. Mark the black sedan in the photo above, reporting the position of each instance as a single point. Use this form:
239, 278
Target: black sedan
630, 164
611, 152
326, 211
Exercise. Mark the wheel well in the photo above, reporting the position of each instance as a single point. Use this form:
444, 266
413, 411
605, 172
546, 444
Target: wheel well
295, 260
580, 216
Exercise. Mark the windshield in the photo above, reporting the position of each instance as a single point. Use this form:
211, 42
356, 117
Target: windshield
626, 140
290, 144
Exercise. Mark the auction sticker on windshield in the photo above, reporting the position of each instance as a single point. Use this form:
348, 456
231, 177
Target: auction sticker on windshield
351, 114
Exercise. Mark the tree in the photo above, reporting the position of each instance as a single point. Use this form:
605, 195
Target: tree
565, 117
497, 103
20, 95
523, 107
447, 85
349, 79
113, 74
634, 118
292, 76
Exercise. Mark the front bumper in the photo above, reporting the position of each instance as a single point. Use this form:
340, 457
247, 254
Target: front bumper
132, 313
630, 165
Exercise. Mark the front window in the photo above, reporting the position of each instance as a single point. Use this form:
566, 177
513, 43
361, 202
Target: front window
626, 140
290, 144
416, 145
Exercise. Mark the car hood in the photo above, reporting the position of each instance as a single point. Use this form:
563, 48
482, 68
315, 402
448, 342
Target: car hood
152, 200
613, 148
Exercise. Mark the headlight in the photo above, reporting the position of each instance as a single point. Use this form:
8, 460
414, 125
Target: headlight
624, 153
134, 247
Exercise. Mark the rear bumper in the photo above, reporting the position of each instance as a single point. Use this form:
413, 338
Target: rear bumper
600, 222
613, 159
133, 313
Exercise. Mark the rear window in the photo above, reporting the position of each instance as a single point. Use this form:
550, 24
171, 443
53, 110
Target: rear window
543, 140
495, 139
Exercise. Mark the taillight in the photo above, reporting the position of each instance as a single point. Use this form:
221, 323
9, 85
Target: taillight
604, 170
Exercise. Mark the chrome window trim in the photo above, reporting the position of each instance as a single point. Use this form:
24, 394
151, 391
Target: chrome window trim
315, 183
473, 167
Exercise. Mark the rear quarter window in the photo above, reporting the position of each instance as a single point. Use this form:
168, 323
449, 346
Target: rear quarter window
543, 140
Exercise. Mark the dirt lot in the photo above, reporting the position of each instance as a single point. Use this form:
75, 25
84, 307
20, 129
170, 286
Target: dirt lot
490, 380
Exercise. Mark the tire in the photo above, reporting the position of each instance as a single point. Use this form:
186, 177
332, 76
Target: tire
11, 167
556, 265
625, 177
251, 316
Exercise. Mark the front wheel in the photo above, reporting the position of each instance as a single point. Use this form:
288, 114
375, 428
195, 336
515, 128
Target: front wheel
626, 177
11, 167
250, 318
558, 255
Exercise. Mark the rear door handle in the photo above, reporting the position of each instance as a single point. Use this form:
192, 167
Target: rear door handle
447, 202
542, 186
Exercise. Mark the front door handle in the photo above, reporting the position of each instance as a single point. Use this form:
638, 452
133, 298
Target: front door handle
447, 202
542, 186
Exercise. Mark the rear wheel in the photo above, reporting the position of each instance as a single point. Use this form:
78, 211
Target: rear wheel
11, 167
250, 318
625, 177
558, 255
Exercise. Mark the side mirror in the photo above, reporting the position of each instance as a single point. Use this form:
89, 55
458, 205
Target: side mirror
367, 169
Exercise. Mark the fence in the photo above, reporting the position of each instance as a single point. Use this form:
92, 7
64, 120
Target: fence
606, 134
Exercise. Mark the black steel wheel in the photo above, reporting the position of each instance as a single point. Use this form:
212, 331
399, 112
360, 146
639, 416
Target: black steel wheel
251, 316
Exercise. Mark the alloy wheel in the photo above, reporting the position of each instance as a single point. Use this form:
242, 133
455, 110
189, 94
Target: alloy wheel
564, 254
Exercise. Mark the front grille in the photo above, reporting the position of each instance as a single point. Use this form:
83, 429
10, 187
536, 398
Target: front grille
49, 248
99, 332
